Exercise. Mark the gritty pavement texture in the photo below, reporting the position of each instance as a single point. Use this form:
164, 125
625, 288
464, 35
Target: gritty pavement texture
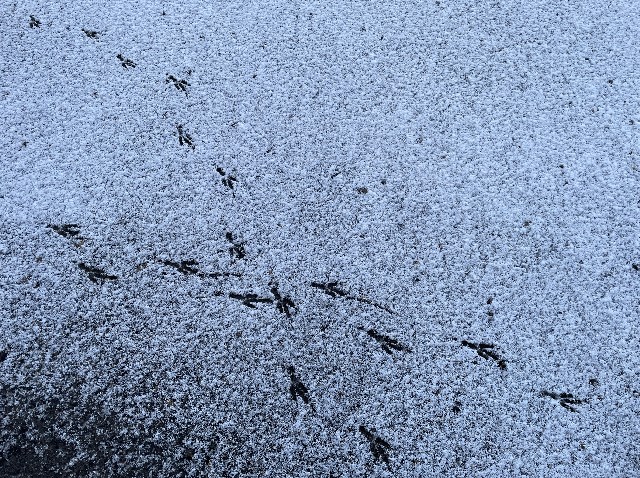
320, 239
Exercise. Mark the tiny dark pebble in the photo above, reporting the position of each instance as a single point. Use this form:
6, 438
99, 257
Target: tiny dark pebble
362, 190
189, 453
636, 267
384, 181
611, 82
489, 300
3, 355
594, 382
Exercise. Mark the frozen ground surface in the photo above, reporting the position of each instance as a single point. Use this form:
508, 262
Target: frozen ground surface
402, 185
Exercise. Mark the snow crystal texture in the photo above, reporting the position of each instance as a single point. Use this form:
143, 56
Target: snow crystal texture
320, 239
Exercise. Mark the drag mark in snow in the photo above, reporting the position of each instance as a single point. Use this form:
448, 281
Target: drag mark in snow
332, 290
387, 343
186, 267
250, 300
190, 267
364, 300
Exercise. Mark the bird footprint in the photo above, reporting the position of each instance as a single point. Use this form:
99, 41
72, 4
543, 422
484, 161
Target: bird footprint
486, 352
237, 248
185, 138
180, 85
566, 400
379, 448
227, 180
65, 230
126, 63
283, 304
95, 274
297, 388
91, 33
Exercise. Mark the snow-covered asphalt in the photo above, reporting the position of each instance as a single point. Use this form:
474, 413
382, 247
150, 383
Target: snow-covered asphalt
320, 239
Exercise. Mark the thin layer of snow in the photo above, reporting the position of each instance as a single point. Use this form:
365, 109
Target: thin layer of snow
449, 175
